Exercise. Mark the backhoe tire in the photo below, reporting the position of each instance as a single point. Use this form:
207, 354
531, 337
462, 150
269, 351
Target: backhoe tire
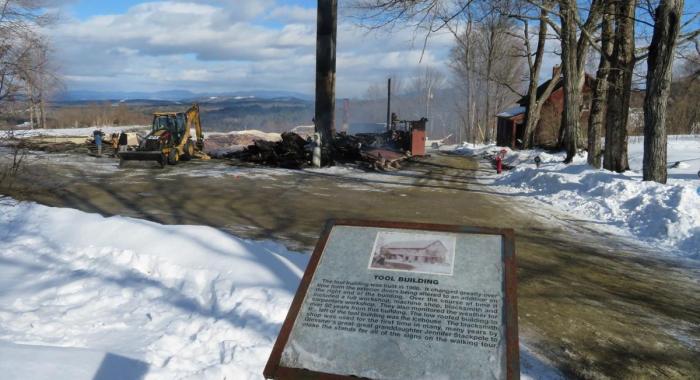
173, 157
188, 151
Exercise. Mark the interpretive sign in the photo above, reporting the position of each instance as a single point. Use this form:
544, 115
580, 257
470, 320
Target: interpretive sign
385, 300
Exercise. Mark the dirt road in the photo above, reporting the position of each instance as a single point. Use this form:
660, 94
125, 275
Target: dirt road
592, 304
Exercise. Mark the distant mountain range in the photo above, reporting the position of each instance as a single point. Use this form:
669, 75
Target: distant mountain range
172, 95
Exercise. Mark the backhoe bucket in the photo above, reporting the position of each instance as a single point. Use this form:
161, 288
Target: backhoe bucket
143, 156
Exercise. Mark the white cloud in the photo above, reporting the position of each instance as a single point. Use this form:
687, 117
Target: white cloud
227, 46
293, 14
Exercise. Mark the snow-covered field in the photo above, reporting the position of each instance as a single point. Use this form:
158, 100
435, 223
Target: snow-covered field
80, 132
87, 297
667, 217
66, 132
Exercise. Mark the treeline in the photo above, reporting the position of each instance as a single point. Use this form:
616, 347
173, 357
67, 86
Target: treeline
501, 46
97, 114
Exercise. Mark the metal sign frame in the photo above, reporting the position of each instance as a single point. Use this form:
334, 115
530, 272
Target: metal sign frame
273, 369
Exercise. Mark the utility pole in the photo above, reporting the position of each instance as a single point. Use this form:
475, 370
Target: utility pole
388, 105
326, 30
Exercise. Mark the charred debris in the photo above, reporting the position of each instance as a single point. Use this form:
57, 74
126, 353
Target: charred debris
380, 151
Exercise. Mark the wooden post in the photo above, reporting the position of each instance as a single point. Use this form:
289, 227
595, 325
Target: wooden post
326, 30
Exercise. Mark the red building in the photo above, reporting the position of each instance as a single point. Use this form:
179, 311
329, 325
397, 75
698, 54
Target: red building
511, 122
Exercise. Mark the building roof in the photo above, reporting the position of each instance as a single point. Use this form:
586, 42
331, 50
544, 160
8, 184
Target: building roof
540, 90
560, 83
513, 111
416, 244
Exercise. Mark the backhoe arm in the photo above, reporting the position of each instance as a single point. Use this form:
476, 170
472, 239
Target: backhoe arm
193, 118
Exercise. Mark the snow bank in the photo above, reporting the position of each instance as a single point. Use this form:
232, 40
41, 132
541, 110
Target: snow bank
186, 300
87, 297
665, 216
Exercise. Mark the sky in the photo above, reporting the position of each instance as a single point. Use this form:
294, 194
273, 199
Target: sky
212, 46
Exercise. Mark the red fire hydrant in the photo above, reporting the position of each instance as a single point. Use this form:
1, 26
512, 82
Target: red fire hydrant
499, 160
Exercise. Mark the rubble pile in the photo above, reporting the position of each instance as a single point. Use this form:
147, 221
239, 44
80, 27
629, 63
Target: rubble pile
290, 152
222, 145
294, 152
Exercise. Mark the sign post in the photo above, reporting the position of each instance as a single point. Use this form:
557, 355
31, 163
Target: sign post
386, 300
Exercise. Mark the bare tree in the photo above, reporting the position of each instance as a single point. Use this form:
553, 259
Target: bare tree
486, 58
462, 62
659, 74
620, 87
38, 77
494, 47
424, 85
429, 16
535, 100
683, 113
19, 21
596, 118
574, 47
22, 69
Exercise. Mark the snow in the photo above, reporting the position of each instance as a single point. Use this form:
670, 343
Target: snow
666, 217
65, 132
186, 300
45, 363
680, 148
259, 135
514, 111
87, 297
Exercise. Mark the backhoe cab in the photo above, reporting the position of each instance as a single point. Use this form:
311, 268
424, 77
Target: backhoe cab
170, 139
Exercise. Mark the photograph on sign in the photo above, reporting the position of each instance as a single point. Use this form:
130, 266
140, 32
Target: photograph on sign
411, 252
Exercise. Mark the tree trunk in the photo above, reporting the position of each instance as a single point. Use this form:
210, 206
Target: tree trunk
542, 99
532, 117
572, 94
620, 88
326, 30
490, 115
42, 110
488, 101
659, 73
592, 21
470, 85
32, 117
31, 114
596, 118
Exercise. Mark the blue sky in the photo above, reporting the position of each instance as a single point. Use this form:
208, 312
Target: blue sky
82, 9
230, 45
223, 45
86, 8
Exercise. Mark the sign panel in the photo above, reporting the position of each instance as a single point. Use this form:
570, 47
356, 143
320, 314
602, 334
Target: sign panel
386, 300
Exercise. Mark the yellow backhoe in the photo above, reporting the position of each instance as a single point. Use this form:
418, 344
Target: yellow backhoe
170, 139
